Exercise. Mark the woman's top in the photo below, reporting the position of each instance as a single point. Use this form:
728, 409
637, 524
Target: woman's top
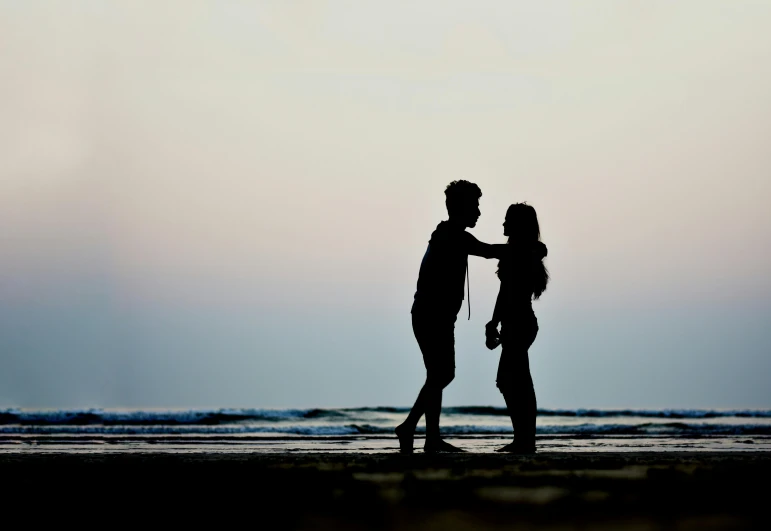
518, 275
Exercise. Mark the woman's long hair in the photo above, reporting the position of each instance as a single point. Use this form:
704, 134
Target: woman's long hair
525, 232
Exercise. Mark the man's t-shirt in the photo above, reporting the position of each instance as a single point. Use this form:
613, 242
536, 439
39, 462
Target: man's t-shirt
443, 271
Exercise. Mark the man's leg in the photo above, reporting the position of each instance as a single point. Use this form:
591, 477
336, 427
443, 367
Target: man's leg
406, 430
440, 369
437, 343
436, 383
429, 402
417, 411
434, 389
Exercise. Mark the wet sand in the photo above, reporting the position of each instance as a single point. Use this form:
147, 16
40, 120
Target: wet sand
688, 490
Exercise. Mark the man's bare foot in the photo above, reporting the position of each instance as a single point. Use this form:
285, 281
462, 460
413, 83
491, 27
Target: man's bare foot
440, 446
513, 448
406, 437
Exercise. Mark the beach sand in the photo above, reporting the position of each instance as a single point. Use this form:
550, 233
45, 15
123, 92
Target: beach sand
689, 490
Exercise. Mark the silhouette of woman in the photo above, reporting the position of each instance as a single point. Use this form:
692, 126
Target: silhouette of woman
523, 278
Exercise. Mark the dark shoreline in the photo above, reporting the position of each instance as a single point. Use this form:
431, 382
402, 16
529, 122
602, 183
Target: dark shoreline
645, 490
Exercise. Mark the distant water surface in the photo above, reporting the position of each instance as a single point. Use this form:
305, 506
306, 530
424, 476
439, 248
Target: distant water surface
476, 428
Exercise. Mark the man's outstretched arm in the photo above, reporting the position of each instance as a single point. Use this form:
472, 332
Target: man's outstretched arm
485, 250
500, 250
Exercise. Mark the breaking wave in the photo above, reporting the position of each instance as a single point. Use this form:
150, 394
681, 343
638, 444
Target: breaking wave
86, 417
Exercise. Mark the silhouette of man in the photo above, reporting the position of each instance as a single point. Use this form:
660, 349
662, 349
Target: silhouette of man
438, 299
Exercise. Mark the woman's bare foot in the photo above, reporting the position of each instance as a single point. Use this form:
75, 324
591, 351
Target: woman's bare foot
440, 446
406, 437
513, 448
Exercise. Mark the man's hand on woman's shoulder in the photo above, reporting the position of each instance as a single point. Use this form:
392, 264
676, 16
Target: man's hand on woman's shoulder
541, 250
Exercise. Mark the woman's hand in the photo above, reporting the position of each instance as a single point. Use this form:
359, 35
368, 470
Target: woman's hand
492, 337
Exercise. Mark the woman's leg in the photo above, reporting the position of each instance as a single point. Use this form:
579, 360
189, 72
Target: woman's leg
516, 385
526, 409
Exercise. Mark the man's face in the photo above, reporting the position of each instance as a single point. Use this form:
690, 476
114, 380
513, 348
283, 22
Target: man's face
471, 213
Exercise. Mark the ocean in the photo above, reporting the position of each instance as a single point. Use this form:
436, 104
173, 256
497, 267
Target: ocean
370, 429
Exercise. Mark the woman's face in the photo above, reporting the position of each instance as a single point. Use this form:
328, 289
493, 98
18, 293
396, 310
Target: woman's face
508, 227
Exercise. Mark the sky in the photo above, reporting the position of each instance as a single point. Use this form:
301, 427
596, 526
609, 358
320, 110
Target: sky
225, 204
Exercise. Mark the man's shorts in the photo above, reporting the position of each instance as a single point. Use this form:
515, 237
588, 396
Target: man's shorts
436, 338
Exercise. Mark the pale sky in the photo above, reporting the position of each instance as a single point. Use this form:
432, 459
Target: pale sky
225, 204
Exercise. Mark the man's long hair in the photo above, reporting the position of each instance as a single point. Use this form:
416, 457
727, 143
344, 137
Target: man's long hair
525, 232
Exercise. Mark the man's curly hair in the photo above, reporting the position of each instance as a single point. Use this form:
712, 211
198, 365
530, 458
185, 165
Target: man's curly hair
459, 193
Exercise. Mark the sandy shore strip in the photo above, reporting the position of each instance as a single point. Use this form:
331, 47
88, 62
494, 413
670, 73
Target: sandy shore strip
687, 490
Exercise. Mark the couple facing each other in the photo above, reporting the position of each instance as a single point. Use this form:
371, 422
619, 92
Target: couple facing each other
439, 297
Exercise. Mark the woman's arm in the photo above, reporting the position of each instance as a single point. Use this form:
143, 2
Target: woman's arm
492, 336
498, 310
